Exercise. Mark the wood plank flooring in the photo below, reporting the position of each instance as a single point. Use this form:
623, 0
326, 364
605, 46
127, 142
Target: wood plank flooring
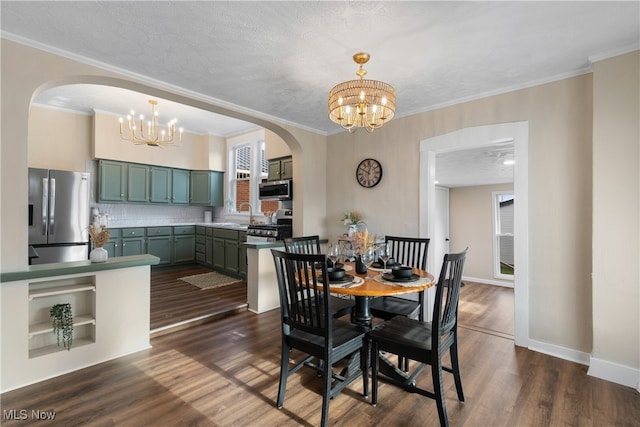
486, 308
177, 304
225, 373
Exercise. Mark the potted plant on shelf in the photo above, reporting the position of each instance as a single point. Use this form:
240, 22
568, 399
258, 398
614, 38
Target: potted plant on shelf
99, 236
62, 324
354, 221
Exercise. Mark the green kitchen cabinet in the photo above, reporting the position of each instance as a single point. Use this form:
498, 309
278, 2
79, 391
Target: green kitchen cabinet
114, 245
113, 181
229, 255
209, 247
242, 255
184, 244
218, 254
180, 186
159, 243
161, 190
133, 241
201, 239
281, 168
138, 183
206, 188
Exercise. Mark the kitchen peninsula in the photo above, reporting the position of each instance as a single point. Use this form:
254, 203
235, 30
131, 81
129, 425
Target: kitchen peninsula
110, 303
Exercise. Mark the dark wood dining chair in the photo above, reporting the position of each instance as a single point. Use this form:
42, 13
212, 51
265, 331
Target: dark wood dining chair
411, 251
311, 245
308, 326
426, 342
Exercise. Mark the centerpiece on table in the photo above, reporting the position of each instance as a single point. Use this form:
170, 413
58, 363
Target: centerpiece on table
363, 244
99, 236
354, 221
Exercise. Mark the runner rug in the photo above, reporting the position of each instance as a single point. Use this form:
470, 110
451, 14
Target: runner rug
209, 280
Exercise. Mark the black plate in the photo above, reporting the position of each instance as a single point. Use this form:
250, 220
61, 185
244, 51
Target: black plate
391, 278
346, 279
330, 264
389, 265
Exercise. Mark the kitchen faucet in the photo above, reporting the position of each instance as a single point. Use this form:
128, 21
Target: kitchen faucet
250, 211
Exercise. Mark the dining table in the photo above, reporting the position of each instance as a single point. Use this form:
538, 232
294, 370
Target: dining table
375, 283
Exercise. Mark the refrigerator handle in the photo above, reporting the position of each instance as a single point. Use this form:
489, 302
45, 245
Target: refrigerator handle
52, 207
45, 204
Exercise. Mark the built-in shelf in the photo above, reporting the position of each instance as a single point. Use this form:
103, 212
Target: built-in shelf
59, 290
53, 348
43, 328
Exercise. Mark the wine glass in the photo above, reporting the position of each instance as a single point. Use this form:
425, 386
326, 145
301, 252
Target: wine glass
368, 257
384, 253
334, 254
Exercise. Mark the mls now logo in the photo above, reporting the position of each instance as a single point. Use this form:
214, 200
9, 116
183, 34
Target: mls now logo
23, 414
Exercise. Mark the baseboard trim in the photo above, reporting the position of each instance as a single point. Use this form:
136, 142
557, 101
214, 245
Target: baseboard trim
505, 284
614, 372
561, 352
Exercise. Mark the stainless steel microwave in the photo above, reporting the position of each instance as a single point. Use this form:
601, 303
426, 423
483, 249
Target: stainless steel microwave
276, 190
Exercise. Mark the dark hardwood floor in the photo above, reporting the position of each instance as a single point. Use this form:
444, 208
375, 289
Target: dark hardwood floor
225, 373
176, 304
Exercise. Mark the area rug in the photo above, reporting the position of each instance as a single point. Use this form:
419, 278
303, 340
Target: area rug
209, 280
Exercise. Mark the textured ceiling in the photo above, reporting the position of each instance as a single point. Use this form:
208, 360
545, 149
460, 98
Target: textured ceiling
277, 60
477, 166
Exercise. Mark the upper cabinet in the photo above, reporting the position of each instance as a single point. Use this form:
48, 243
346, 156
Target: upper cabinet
136, 183
207, 188
113, 181
280, 169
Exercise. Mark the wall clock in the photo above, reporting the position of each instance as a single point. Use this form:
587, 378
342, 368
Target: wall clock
369, 173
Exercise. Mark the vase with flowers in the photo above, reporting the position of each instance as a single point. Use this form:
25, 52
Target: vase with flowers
363, 244
99, 236
354, 221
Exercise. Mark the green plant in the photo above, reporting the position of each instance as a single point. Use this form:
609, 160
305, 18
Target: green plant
62, 324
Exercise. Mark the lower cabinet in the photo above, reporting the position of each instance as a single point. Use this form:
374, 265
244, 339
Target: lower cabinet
133, 241
159, 240
184, 244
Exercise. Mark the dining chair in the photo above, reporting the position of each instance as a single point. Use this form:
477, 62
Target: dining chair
410, 251
426, 342
308, 326
311, 245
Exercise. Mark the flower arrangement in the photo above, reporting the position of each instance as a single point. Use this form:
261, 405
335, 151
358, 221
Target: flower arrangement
361, 241
352, 218
99, 235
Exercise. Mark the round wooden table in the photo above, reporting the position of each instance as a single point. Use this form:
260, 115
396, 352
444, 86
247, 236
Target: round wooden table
372, 288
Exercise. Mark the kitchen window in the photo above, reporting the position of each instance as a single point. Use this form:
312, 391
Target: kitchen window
248, 168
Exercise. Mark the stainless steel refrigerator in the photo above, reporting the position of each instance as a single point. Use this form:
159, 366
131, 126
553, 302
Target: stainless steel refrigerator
58, 215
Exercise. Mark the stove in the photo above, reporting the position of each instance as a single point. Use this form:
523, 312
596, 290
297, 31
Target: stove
282, 229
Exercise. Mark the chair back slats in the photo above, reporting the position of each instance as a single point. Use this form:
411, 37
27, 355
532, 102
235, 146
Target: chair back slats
445, 310
411, 251
303, 305
303, 245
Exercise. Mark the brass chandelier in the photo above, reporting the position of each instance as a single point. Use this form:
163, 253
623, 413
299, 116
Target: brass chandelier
362, 103
149, 133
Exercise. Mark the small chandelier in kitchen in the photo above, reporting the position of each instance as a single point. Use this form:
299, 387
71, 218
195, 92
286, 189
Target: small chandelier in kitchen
149, 132
362, 103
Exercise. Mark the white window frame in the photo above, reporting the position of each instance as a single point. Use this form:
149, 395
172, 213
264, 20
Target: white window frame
257, 152
495, 198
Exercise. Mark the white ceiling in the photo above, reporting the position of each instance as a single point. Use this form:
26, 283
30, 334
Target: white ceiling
277, 60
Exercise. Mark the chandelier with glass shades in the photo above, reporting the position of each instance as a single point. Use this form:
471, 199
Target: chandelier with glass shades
149, 132
362, 103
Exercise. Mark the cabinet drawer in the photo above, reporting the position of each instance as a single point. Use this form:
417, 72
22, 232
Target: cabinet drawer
114, 233
158, 231
200, 229
185, 229
200, 239
129, 232
200, 248
200, 257
223, 233
209, 231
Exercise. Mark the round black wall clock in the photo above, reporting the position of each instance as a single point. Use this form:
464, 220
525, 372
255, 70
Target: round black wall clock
369, 173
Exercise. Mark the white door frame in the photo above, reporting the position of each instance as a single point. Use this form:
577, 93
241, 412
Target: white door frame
474, 137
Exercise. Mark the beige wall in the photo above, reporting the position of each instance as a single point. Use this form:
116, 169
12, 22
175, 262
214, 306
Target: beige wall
471, 224
616, 212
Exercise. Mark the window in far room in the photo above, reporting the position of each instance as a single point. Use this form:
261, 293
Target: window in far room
503, 235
